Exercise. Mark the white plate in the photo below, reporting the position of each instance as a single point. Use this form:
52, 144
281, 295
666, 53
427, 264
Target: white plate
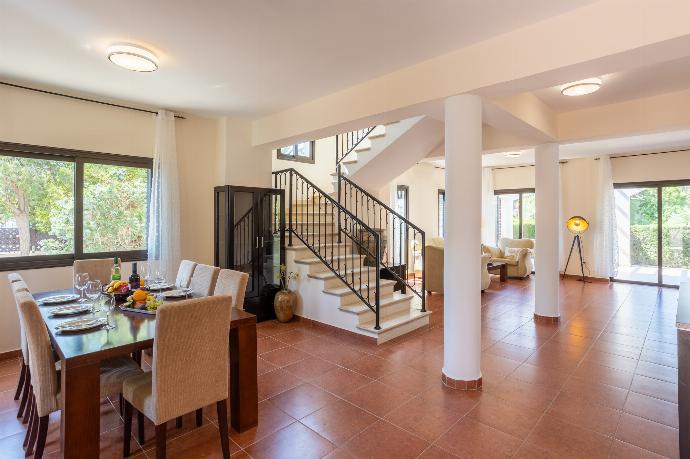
79, 325
177, 293
161, 286
59, 299
70, 309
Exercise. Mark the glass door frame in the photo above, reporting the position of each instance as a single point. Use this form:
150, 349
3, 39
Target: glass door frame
519, 192
659, 185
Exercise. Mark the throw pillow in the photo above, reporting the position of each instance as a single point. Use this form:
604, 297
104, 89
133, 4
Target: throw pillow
512, 253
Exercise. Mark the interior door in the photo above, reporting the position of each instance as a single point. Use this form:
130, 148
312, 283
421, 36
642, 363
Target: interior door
245, 218
675, 234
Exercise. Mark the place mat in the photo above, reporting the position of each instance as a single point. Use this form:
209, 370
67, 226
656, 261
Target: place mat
179, 293
161, 286
77, 325
70, 309
60, 299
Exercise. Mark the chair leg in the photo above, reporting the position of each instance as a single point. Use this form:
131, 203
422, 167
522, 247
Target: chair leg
178, 422
222, 408
136, 355
128, 428
161, 438
122, 402
199, 417
20, 384
23, 405
140, 427
30, 402
42, 434
34, 431
29, 427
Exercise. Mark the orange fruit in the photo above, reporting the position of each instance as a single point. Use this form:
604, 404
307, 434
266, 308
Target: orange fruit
139, 295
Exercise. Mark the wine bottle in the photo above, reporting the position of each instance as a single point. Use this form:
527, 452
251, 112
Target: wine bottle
116, 273
134, 279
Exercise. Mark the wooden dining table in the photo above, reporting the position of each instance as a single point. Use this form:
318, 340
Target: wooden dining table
81, 355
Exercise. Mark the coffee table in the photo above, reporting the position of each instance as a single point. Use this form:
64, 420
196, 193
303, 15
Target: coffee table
499, 267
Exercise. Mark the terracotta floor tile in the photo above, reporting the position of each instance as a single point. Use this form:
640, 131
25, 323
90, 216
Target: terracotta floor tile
471, 439
655, 388
595, 392
385, 440
284, 356
340, 381
302, 400
648, 435
433, 452
605, 375
374, 367
268, 344
651, 408
262, 366
652, 370
515, 420
510, 351
271, 419
377, 398
522, 394
310, 368
294, 441
530, 451
460, 401
660, 358
11, 446
427, 420
410, 380
621, 450
293, 336
584, 414
338, 421
548, 377
275, 382
567, 440
202, 442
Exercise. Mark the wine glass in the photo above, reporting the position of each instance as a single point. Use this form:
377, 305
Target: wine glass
159, 278
93, 292
112, 302
80, 280
145, 274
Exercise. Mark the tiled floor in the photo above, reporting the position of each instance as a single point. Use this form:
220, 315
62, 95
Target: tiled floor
601, 384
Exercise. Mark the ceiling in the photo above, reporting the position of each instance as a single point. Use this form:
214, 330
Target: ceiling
641, 82
242, 57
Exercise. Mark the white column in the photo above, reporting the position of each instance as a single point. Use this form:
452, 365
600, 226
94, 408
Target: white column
547, 189
462, 276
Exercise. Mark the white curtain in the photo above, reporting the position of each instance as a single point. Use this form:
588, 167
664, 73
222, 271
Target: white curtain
605, 240
164, 209
488, 207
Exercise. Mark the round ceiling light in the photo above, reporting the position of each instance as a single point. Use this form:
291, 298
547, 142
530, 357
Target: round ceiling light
513, 154
132, 57
582, 87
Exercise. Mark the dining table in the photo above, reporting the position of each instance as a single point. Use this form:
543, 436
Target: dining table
81, 355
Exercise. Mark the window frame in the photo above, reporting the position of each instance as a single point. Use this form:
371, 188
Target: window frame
519, 192
300, 159
440, 217
79, 158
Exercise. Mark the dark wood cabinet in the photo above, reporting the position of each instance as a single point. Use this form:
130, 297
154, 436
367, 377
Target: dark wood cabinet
249, 236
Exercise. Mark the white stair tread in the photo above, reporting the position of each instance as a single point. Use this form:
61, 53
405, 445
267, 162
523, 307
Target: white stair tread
297, 245
315, 260
349, 160
342, 291
330, 274
393, 321
361, 308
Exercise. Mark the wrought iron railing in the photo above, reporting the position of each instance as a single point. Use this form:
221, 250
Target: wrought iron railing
244, 238
403, 246
347, 142
342, 241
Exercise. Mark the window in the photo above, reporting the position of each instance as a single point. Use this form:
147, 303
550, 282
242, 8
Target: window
441, 204
303, 152
58, 205
515, 214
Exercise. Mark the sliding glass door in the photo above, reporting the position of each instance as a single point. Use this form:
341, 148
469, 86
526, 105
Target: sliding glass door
515, 214
653, 222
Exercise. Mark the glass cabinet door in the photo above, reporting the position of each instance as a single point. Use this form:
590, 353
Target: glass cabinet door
245, 243
270, 234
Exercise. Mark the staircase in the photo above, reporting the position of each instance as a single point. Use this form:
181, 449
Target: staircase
340, 258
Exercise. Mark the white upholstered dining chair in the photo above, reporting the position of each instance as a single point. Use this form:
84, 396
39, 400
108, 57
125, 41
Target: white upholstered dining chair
17, 284
184, 273
234, 284
187, 373
97, 269
204, 279
45, 387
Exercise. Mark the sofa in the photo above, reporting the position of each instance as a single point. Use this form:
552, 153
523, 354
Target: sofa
517, 254
434, 267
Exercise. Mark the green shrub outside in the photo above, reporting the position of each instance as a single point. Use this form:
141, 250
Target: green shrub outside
643, 246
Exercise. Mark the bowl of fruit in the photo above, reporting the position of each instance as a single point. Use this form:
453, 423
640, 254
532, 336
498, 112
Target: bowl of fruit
142, 301
119, 289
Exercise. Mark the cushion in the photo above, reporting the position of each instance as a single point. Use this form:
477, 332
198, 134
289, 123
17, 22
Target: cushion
138, 390
512, 253
495, 252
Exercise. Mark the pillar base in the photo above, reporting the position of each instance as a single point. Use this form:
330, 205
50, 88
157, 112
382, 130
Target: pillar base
460, 384
546, 319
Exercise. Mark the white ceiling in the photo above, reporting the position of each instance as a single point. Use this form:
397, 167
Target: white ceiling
645, 81
244, 57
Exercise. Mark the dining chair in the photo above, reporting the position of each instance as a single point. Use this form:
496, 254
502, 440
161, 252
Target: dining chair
45, 387
232, 283
184, 273
97, 269
204, 279
22, 391
187, 373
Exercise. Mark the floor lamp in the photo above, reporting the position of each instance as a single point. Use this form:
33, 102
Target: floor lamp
576, 225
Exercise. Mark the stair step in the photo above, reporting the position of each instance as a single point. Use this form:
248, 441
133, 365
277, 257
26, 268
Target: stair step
331, 275
395, 321
315, 260
342, 291
297, 245
361, 308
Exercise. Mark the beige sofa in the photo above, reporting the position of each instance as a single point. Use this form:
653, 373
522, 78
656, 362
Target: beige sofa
520, 263
434, 267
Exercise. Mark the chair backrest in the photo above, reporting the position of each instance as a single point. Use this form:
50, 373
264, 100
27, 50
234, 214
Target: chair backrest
184, 273
234, 284
190, 356
14, 277
20, 286
97, 268
204, 279
41, 363
506, 242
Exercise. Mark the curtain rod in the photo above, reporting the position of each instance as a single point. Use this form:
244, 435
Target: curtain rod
83, 99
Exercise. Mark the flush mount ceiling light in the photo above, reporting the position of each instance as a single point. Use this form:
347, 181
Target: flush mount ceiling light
513, 154
132, 57
582, 87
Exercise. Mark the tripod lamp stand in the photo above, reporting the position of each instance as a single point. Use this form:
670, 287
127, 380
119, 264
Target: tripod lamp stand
576, 225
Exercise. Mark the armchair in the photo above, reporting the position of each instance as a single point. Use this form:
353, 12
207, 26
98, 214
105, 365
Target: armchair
518, 254
433, 267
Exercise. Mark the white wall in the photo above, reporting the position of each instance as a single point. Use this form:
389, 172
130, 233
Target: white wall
39, 119
511, 178
318, 172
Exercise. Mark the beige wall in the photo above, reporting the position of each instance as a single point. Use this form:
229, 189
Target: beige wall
666, 166
38, 119
319, 172
512, 178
